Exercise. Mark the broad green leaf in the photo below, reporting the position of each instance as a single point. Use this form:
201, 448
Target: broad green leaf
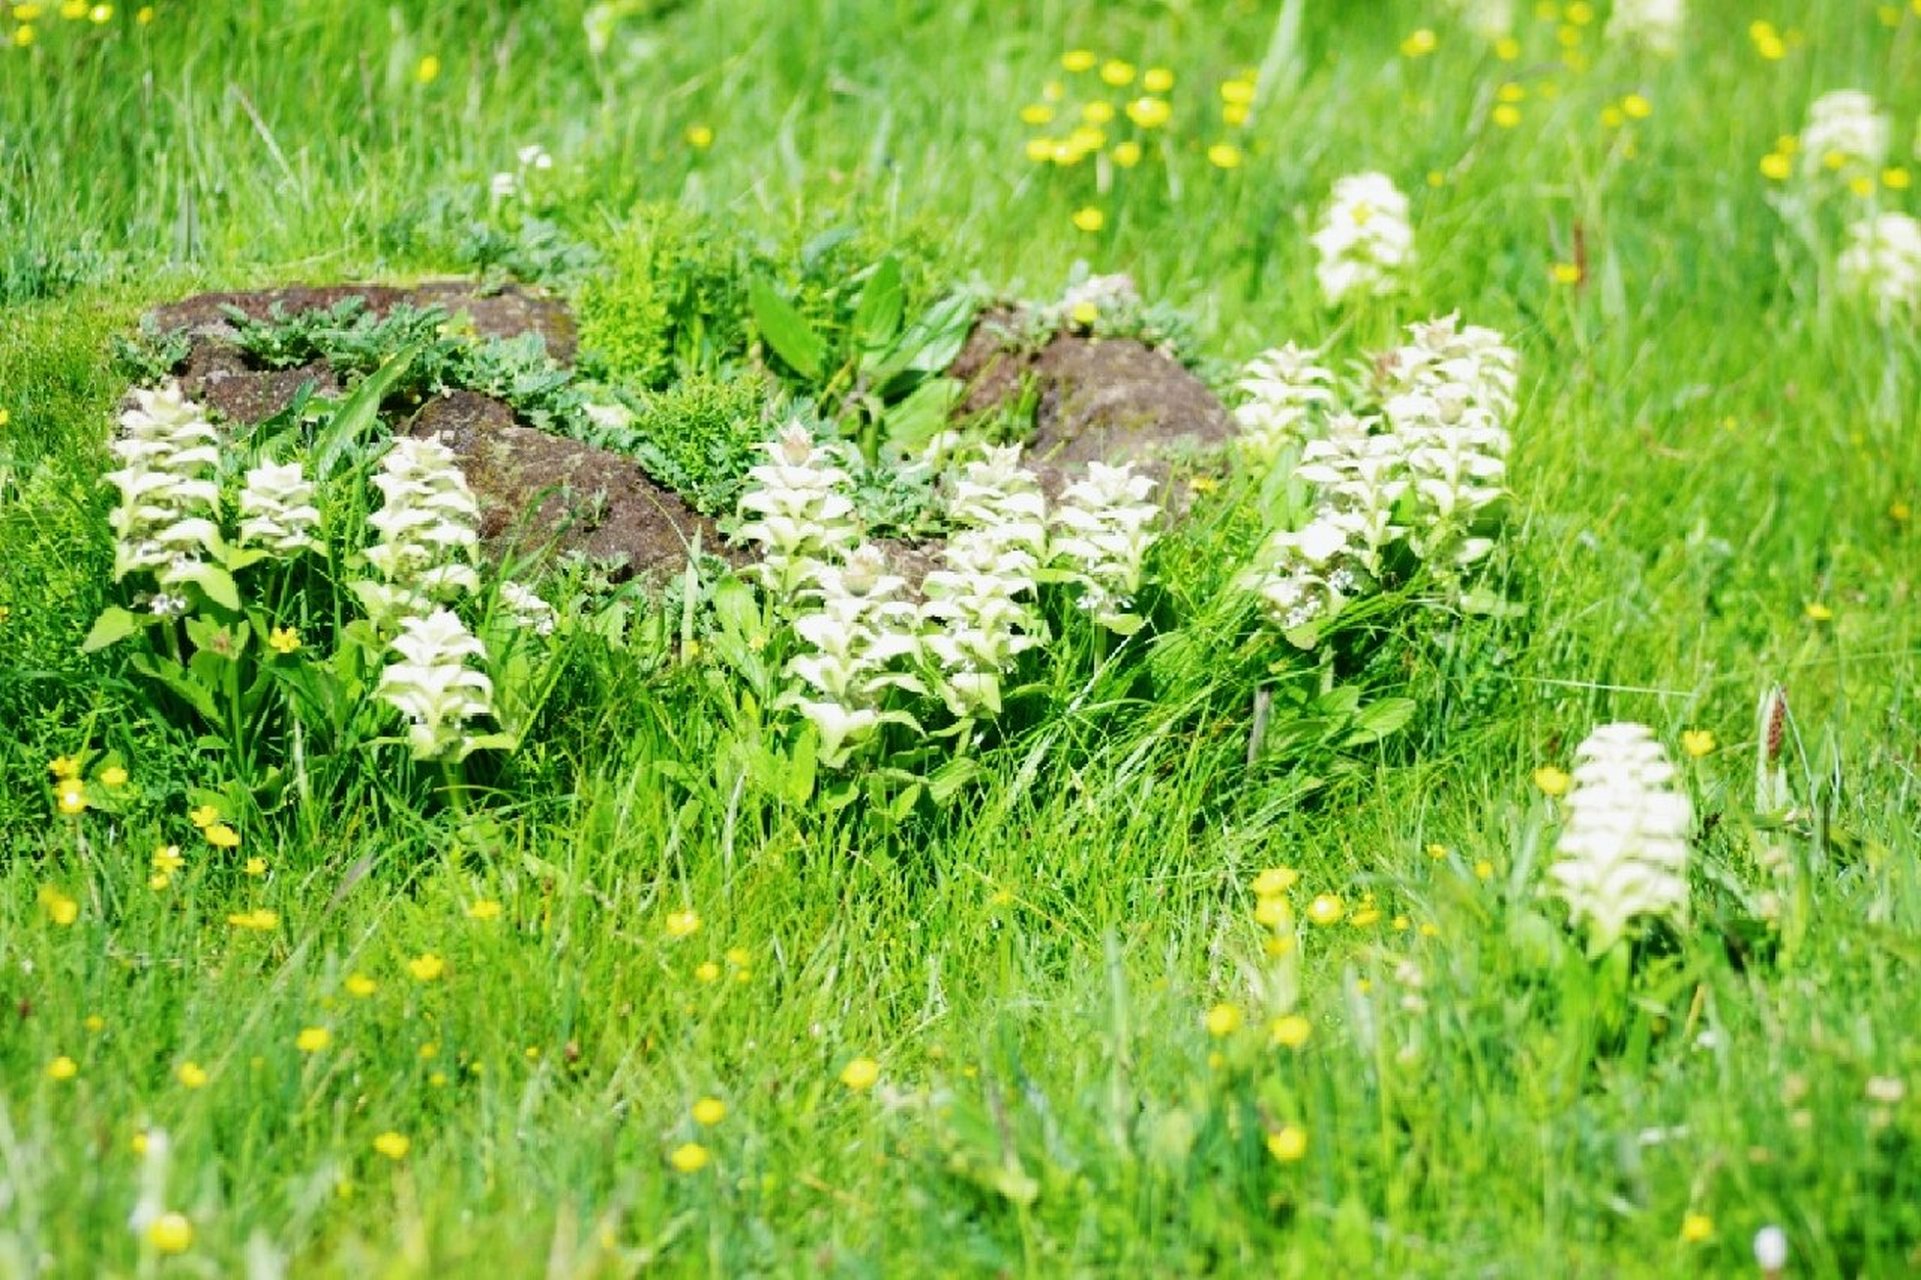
111, 627
1379, 719
358, 414
191, 691
218, 585
915, 421
785, 330
878, 313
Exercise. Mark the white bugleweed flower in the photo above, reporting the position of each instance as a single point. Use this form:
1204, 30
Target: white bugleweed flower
1882, 261
1844, 135
802, 520
1771, 1249
526, 610
1489, 19
1286, 391
979, 607
433, 686
1624, 851
1365, 241
277, 511
862, 635
1656, 24
169, 499
1466, 365
428, 524
1101, 531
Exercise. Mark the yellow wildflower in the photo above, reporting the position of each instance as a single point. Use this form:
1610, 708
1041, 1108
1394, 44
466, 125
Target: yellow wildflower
1419, 43
1078, 60
1275, 881
170, 1233
1089, 219
191, 1075
1552, 781
427, 70
689, 1157
485, 909
1776, 167
360, 986
1697, 742
860, 1074
683, 924
1117, 73
1149, 113
71, 797
167, 859
113, 776
62, 1068
222, 836
283, 640
709, 1112
1223, 1019
1157, 80
700, 136
1037, 113
1289, 1031
1697, 1228
1326, 909
1287, 1143
1224, 155
394, 1146
426, 967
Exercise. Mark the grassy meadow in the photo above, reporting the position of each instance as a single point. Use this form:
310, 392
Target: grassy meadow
652, 989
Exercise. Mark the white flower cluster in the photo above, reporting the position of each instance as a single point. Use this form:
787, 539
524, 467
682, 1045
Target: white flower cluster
1365, 240
428, 524
1655, 24
1102, 528
864, 641
1421, 471
1286, 395
507, 183
1453, 395
1489, 19
277, 511
1882, 261
980, 604
804, 520
433, 686
1624, 851
169, 497
1845, 135
526, 610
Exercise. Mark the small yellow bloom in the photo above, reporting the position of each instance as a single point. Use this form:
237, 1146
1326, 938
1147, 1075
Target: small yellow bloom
1511, 92
1365, 917
689, 1157
1234, 115
1037, 113
1274, 881
1429, 929
1089, 219
94, 1023
428, 69
1078, 60
394, 1146
485, 909
426, 967
1419, 43
1697, 1228
1612, 117
1834, 161
191, 1075
255, 866
700, 136
170, 1233
283, 640
204, 816
1507, 49
1224, 155
222, 836
1053, 91
1127, 154
144, 14
313, 1039
23, 36
1238, 92
259, 920
1776, 166
1818, 612
1040, 150
113, 776
709, 1112
1289, 1031
62, 1068
1771, 48
860, 1074
1900, 512
1483, 870
1552, 781
1861, 185
1278, 946
1697, 742
1273, 913
167, 859
60, 909
1580, 13
1157, 80
1636, 107
683, 924
100, 14
1149, 113
1222, 1020
1895, 179
1565, 272
1117, 73
71, 797
1507, 115
360, 986
1326, 909
707, 971
73, 10
1287, 1143
739, 956
428, 1051
1097, 112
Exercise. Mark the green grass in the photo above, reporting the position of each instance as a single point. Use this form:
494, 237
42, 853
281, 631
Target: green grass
1710, 441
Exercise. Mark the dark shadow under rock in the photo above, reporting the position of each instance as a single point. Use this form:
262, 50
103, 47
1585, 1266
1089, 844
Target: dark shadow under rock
507, 312
542, 493
1095, 399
